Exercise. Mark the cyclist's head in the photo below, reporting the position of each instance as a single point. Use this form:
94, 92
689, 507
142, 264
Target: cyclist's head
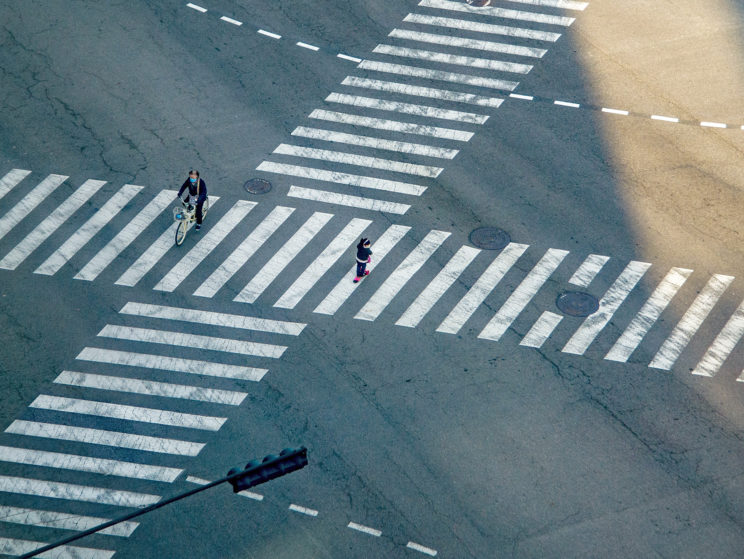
193, 175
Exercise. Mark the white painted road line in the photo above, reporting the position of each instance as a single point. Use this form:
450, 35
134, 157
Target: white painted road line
562, 4
126, 236
713, 124
486, 283
522, 97
665, 118
438, 75
345, 287
12, 546
588, 270
214, 318
88, 464
152, 255
306, 46
541, 330
269, 34
610, 302
359, 160
690, 322
375, 143
197, 8
408, 108
50, 224
29, 202
567, 104
615, 111
723, 345
425, 550
128, 413
347, 57
165, 363
282, 258
498, 12
419, 91
364, 529
303, 510
71, 492
437, 287
342, 178
245, 250
397, 279
347, 200
648, 315
482, 27
522, 295
64, 521
187, 339
105, 438
466, 43
88, 230
151, 388
392, 125
231, 20
444, 58
322, 264
215, 235
11, 179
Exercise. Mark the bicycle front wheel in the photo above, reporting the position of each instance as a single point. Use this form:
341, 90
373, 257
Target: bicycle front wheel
181, 230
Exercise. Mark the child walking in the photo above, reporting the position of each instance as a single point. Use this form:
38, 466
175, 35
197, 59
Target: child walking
363, 257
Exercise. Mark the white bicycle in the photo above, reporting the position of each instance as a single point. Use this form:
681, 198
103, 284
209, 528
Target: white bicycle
185, 216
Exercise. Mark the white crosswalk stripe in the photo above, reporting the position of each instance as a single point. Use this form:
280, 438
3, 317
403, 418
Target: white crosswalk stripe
243, 252
126, 236
90, 228
648, 315
541, 330
11, 179
438, 75
444, 58
420, 91
188, 339
127, 413
522, 295
105, 438
147, 260
486, 283
344, 288
13, 546
723, 345
467, 43
310, 276
151, 388
690, 322
196, 255
190, 366
29, 202
64, 521
588, 270
610, 302
437, 287
282, 258
489, 28
359, 160
498, 12
401, 275
347, 200
562, 4
375, 143
50, 224
407, 108
88, 464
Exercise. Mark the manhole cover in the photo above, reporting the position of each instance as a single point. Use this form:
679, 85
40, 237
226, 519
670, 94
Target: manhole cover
257, 186
576, 303
490, 238
478, 3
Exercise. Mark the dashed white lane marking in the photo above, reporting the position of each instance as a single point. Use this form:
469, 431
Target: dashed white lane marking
423, 549
101, 466
197, 8
713, 124
498, 12
64, 521
128, 413
588, 270
615, 111
648, 315
307, 46
303, 510
29, 202
104, 438
12, 546
151, 388
463, 42
269, 34
364, 529
567, 104
444, 58
231, 20
11, 179
347, 57
665, 118
563, 4
72, 492
467, 25
522, 97
723, 345
690, 322
347, 200
541, 330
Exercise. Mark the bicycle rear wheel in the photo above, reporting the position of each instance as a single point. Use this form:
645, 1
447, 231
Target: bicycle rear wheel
181, 230
205, 207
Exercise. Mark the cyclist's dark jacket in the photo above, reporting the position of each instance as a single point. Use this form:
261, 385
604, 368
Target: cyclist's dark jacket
363, 253
192, 189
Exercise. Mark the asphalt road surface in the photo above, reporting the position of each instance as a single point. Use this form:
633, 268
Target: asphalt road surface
449, 406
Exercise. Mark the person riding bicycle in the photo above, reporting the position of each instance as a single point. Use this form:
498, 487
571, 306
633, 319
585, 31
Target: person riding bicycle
198, 190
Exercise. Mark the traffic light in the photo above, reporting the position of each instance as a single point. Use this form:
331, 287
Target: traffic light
272, 466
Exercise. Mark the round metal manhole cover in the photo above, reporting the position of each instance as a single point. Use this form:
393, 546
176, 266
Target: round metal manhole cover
478, 3
577, 303
490, 238
257, 186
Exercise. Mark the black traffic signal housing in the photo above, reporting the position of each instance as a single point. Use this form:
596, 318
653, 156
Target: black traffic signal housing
272, 466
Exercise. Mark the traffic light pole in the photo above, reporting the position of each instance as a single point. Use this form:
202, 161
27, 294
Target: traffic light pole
271, 463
